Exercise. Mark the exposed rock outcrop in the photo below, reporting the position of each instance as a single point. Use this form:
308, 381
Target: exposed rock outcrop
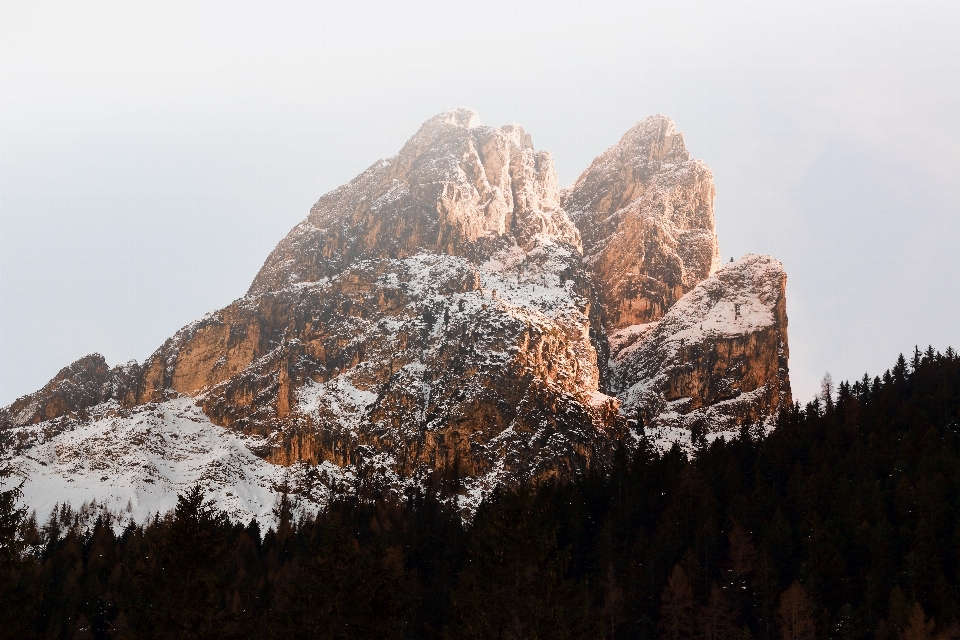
717, 360
429, 358
645, 212
456, 187
77, 387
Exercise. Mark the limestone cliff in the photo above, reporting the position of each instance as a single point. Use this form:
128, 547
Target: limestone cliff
717, 360
83, 384
456, 187
645, 212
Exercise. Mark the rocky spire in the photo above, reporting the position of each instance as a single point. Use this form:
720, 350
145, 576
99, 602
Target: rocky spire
645, 212
456, 187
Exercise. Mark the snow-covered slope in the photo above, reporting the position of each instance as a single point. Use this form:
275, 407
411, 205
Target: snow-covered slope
135, 462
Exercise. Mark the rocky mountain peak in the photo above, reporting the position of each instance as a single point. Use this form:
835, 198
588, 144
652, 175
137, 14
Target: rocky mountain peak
456, 187
619, 175
645, 213
654, 139
449, 319
458, 117
84, 383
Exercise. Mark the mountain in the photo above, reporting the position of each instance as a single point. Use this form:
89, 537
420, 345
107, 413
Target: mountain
449, 318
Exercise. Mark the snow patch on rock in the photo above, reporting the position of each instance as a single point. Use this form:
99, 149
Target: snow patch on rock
337, 400
714, 358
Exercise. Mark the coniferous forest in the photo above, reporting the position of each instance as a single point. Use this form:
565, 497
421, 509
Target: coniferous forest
843, 522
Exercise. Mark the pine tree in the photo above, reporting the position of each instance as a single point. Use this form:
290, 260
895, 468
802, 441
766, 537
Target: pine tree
514, 583
741, 563
183, 588
899, 373
743, 553
17, 597
676, 606
716, 620
795, 614
11, 519
826, 391
918, 627
612, 600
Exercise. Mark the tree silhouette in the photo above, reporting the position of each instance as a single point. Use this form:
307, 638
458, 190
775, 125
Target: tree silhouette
676, 606
795, 614
918, 627
716, 620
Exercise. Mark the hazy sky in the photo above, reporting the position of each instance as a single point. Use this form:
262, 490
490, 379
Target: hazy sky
152, 154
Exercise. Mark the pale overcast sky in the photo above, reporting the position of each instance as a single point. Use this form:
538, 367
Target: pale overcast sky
152, 154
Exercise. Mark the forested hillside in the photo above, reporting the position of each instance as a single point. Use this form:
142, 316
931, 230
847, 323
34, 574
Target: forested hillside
843, 522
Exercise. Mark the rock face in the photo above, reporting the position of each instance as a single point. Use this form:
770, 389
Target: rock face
456, 187
441, 320
645, 211
717, 360
85, 383
430, 358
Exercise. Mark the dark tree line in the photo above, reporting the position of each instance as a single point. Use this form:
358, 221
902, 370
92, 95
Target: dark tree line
842, 523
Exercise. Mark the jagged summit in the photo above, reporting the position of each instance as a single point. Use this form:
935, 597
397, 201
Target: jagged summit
84, 383
645, 212
448, 318
458, 117
617, 176
455, 187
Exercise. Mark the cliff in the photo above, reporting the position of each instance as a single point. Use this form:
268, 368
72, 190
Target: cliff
717, 360
645, 212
